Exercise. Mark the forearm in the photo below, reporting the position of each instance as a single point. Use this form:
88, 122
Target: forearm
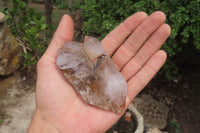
38, 125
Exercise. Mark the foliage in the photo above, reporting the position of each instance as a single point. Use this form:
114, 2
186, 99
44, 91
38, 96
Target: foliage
27, 25
77, 4
175, 125
101, 16
169, 69
61, 4
36, 0
72, 5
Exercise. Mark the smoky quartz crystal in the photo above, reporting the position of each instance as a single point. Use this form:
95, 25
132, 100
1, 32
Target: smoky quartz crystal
93, 74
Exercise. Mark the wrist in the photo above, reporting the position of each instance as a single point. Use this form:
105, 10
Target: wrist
39, 125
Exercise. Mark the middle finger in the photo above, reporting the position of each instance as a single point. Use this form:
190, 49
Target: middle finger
137, 38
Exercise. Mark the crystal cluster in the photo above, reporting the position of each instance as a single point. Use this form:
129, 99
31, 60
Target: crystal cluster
93, 74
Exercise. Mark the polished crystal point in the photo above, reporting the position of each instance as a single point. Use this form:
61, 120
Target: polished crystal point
93, 74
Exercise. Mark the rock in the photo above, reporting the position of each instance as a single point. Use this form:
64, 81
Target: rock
2, 17
154, 113
93, 74
138, 117
7, 83
1, 32
10, 53
134, 123
155, 130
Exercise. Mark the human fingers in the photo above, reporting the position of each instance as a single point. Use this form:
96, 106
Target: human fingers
63, 33
148, 49
117, 36
136, 40
140, 79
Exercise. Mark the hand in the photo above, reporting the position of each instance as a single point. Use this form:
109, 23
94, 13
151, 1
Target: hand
135, 44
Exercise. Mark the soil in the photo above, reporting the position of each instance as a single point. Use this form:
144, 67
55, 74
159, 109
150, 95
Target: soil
181, 95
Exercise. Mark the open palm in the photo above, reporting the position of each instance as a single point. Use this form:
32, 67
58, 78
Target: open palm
134, 46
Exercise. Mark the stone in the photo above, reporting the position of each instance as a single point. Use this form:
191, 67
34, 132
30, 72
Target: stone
2, 17
155, 130
138, 118
93, 74
155, 113
11, 54
130, 122
5, 84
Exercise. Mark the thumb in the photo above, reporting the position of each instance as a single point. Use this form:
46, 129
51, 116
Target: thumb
63, 33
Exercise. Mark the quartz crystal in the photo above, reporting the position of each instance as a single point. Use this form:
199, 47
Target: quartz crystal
93, 74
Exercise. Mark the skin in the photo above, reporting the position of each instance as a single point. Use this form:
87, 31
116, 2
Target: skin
134, 46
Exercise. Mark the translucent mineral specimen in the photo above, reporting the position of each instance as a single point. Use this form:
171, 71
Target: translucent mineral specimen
93, 74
